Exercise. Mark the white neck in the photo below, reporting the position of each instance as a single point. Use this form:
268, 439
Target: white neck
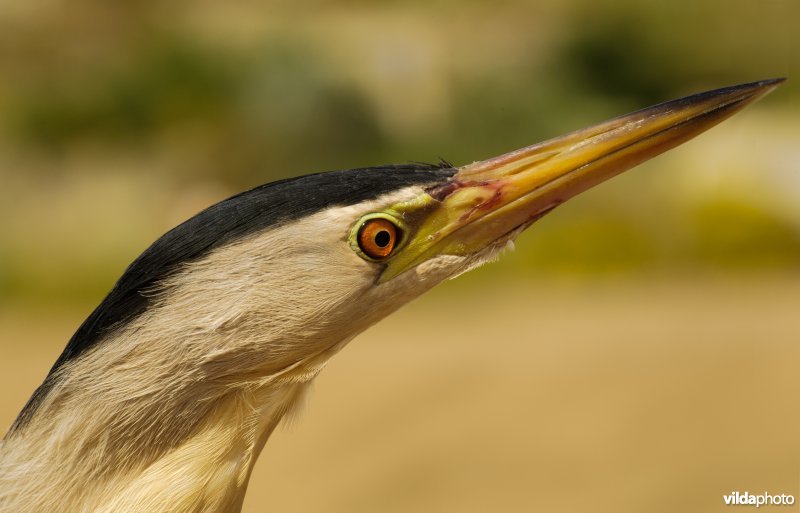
79, 459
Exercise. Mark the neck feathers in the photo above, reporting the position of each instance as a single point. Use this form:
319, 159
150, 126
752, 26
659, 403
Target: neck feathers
80, 454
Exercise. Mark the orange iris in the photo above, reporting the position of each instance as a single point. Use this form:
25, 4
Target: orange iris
377, 238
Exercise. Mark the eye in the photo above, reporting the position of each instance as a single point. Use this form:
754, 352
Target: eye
377, 237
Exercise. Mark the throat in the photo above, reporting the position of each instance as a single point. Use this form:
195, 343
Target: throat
210, 471
202, 467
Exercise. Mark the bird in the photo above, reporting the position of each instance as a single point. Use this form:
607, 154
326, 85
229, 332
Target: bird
166, 394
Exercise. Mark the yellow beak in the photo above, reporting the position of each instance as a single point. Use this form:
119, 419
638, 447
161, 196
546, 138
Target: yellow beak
493, 200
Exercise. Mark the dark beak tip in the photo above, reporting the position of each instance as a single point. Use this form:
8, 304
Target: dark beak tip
761, 87
772, 81
749, 90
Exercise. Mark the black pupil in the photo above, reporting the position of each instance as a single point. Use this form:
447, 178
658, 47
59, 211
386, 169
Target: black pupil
382, 239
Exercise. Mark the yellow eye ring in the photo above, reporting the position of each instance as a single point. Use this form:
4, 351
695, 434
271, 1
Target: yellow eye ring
377, 236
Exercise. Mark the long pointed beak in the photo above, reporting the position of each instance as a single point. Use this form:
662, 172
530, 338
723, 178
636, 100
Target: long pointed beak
493, 200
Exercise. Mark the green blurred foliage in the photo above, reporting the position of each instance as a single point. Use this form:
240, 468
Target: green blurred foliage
168, 82
235, 94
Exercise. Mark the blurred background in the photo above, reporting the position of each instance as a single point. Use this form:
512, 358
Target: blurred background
637, 352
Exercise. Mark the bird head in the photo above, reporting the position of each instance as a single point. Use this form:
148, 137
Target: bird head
363, 259
293, 268
283, 275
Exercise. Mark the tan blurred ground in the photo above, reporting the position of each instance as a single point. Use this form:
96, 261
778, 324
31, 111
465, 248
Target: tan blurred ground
588, 395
